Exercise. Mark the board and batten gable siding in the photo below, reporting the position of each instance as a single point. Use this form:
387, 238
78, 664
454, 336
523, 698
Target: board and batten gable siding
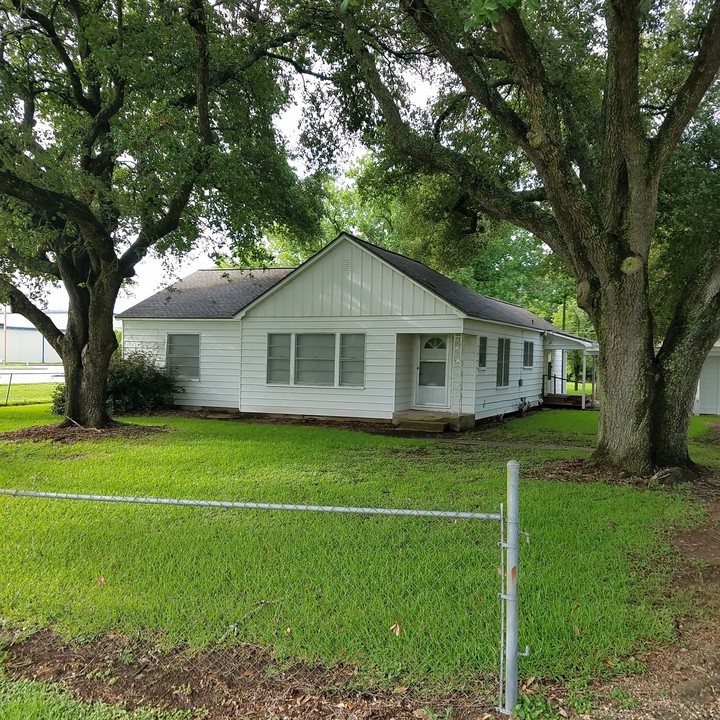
348, 281
375, 400
491, 400
219, 382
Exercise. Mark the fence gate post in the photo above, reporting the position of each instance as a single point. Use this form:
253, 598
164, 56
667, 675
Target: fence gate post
511, 586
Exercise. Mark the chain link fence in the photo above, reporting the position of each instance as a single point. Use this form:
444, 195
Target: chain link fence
361, 597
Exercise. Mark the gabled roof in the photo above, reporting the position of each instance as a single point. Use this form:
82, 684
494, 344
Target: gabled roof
467, 301
216, 294
221, 294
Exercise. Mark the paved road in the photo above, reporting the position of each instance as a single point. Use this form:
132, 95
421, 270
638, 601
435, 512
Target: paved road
35, 374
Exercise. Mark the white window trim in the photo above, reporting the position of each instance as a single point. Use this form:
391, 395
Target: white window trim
506, 360
336, 376
479, 366
532, 354
185, 378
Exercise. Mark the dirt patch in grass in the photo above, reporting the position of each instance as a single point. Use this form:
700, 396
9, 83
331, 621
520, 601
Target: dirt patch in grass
579, 470
235, 682
682, 680
69, 435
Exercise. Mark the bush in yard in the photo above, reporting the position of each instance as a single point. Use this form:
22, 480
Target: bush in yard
135, 384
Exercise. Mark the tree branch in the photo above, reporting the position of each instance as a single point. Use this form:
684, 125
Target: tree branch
150, 233
79, 213
22, 305
475, 84
74, 76
452, 105
196, 20
703, 72
486, 194
299, 67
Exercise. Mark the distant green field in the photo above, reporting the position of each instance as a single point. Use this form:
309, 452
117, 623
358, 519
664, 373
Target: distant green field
25, 394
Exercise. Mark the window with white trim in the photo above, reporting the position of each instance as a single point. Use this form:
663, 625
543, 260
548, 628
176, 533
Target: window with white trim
528, 354
278, 358
352, 360
482, 352
503, 362
182, 355
324, 359
315, 359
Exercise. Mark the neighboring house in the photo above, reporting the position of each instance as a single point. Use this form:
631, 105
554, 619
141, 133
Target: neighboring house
356, 331
707, 400
22, 342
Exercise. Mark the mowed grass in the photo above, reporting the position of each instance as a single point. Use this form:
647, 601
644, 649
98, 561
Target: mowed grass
25, 393
402, 599
577, 428
23, 700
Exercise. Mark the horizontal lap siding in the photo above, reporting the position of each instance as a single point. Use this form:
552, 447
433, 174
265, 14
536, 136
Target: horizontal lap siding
374, 400
405, 374
219, 383
709, 387
491, 400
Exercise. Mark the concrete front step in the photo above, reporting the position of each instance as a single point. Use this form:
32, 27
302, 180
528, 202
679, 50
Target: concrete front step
429, 426
432, 421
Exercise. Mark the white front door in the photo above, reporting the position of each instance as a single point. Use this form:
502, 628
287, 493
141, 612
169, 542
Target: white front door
432, 372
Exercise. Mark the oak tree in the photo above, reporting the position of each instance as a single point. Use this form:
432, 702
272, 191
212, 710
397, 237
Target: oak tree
560, 117
130, 127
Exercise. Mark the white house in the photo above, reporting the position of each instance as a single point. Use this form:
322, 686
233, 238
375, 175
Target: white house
356, 331
707, 400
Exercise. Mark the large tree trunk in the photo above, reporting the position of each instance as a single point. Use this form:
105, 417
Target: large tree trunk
86, 350
626, 367
648, 397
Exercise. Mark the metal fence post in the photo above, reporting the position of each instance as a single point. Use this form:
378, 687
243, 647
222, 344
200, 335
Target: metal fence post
511, 590
7, 394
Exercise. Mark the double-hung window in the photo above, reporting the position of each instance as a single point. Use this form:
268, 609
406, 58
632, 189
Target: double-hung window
503, 362
528, 354
315, 359
182, 355
278, 359
482, 352
352, 360
325, 359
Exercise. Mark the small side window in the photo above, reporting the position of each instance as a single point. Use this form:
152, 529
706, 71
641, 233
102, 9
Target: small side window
482, 352
278, 358
183, 355
528, 354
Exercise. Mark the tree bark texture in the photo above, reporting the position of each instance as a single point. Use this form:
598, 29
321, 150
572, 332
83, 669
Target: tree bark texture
86, 349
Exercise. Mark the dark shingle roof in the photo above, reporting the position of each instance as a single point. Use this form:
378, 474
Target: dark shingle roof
208, 294
220, 294
471, 303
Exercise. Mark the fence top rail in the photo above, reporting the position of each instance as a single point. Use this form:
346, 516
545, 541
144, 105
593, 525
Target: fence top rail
254, 506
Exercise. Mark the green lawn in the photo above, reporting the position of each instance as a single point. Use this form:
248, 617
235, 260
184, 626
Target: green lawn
32, 701
330, 588
572, 391
25, 393
561, 427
